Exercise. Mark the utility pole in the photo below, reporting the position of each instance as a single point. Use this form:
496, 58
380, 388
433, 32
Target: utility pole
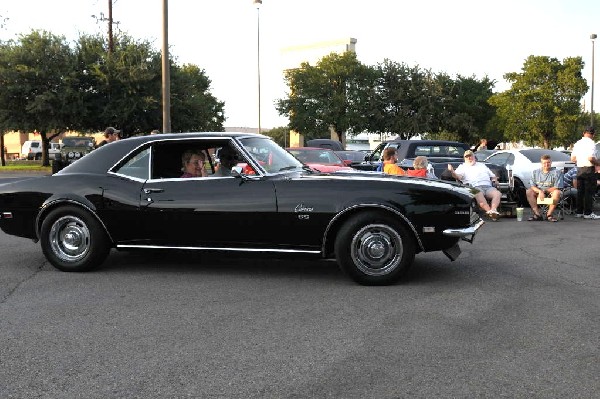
111, 22
166, 73
111, 45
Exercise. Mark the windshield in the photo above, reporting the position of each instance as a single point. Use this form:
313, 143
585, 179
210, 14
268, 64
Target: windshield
269, 155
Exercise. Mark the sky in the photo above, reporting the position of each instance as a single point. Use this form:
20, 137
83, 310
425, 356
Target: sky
468, 37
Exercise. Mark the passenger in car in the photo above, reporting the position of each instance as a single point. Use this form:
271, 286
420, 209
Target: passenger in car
478, 175
390, 157
192, 162
227, 160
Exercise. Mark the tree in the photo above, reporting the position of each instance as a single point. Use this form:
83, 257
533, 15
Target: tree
50, 88
194, 108
121, 88
326, 96
278, 134
542, 106
461, 106
37, 75
401, 100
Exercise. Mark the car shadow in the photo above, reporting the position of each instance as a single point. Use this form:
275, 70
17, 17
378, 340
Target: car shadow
423, 271
212, 263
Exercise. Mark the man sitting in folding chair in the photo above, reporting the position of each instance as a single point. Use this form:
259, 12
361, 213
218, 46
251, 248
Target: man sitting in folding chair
546, 182
569, 191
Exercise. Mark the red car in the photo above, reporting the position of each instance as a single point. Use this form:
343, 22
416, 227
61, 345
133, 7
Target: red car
322, 159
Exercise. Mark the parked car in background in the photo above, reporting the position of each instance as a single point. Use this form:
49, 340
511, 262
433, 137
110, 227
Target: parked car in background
351, 157
320, 159
31, 149
520, 164
54, 150
73, 148
439, 153
325, 143
130, 195
481, 155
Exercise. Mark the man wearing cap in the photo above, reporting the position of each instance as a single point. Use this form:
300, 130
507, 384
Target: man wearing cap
481, 177
110, 134
584, 154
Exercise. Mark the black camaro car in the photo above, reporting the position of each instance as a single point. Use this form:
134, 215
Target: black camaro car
131, 194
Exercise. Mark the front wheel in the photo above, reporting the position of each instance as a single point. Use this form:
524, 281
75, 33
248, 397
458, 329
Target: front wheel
73, 240
374, 249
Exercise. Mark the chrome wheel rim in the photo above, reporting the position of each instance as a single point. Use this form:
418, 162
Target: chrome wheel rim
69, 238
377, 249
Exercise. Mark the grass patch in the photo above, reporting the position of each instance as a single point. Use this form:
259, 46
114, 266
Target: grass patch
24, 166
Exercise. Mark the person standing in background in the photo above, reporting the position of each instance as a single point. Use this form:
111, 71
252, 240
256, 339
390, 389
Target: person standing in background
584, 155
482, 145
110, 134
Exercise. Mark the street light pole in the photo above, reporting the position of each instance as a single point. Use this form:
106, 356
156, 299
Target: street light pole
593, 36
258, 3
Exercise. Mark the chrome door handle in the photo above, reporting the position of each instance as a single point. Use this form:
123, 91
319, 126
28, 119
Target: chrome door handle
153, 190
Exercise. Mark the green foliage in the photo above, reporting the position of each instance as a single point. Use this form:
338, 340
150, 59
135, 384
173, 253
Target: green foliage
341, 94
279, 135
50, 87
542, 107
193, 107
325, 96
400, 101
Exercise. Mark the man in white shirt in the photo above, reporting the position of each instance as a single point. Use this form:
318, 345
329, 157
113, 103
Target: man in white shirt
481, 177
584, 154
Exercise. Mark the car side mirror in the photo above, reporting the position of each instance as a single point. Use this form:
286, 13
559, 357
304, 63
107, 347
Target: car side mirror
347, 162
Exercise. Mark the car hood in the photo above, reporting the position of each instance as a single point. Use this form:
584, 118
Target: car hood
354, 174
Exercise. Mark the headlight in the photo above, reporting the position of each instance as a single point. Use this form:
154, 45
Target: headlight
71, 154
77, 154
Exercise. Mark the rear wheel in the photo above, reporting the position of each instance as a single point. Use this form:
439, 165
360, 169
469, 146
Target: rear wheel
73, 240
374, 249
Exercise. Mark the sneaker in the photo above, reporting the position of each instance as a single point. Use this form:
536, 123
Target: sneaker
591, 216
579, 215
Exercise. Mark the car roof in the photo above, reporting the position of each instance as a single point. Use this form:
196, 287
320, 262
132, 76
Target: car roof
426, 142
310, 148
109, 154
536, 153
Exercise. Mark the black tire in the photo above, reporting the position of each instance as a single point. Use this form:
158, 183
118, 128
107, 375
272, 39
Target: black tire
374, 249
73, 240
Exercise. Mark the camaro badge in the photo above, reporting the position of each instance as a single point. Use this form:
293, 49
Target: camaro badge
303, 208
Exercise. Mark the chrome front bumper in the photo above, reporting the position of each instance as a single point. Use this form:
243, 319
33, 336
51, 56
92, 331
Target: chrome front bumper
465, 233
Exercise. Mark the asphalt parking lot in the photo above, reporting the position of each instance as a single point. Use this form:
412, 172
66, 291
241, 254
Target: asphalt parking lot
517, 315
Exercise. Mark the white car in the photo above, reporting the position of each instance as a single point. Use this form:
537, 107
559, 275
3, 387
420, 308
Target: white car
54, 150
31, 149
523, 162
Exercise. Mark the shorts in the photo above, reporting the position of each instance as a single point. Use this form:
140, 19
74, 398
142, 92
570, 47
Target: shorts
486, 190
